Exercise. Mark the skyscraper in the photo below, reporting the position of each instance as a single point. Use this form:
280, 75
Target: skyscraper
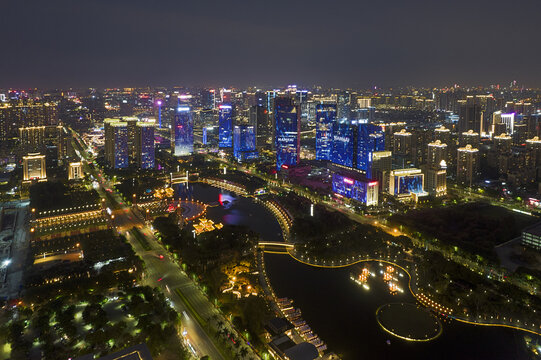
225, 123
343, 105
344, 144
467, 165
325, 118
182, 131
208, 99
116, 143
144, 145
402, 148
244, 141
437, 152
260, 118
382, 164
470, 117
288, 127
132, 131
371, 139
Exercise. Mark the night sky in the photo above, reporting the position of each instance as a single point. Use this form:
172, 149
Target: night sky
340, 43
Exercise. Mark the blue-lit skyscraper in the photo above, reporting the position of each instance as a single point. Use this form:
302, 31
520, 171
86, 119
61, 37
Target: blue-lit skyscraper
225, 123
144, 145
244, 142
288, 128
325, 117
371, 138
116, 143
344, 144
182, 131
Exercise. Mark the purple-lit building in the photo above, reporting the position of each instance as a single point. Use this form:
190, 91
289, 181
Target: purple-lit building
359, 189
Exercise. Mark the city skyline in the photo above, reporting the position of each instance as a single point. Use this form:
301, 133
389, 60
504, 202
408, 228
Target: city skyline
286, 180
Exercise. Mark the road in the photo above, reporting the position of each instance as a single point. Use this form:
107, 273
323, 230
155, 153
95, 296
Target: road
19, 249
171, 275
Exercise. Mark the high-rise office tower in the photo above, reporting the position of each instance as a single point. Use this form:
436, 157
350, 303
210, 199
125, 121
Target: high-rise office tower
208, 99
159, 104
182, 131
520, 134
244, 142
34, 167
509, 121
260, 119
144, 145
437, 152
116, 143
325, 118
132, 131
402, 148
371, 139
467, 165
260, 99
344, 144
469, 115
226, 96
382, 164
225, 123
288, 128
270, 97
343, 105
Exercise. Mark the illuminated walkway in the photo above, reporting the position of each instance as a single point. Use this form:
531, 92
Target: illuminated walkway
418, 296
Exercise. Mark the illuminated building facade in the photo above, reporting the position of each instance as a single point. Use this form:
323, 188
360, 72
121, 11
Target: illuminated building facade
116, 143
208, 99
225, 123
382, 163
144, 145
34, 168
27, 114
406, 182
325, 118
182, 131
288, 128
75, 171
470, 137
371, 139
437, 152
467, 165
343, 106
435, 180
344, 144
244, 143
349, 187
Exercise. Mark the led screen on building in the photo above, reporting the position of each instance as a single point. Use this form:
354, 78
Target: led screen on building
363, 191
408, 184
343, 145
